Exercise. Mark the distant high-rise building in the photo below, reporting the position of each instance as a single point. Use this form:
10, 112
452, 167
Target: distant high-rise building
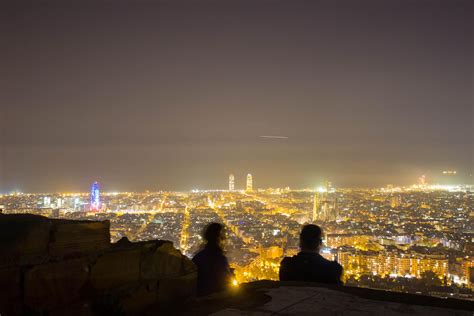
231, 182
335, 210
46, 201
249, 183
316, 206
77, 202
328, 187
95, 197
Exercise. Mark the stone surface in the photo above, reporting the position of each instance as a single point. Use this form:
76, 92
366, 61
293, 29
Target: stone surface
145, 295
24, 239
116, 268
299, 300
163, 261
11, 297
177, 288
70, 238
51, 285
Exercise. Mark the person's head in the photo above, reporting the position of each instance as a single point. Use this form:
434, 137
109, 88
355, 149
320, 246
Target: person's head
214, 234
310, 238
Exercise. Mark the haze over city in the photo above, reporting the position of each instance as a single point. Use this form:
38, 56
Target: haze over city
175, 95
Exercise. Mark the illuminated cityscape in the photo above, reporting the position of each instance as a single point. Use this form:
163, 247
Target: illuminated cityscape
418, 238
133, 133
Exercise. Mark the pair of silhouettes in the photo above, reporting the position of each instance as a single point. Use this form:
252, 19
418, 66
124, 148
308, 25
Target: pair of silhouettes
215, 274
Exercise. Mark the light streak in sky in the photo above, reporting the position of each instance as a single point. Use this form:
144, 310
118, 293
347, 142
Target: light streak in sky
274, 137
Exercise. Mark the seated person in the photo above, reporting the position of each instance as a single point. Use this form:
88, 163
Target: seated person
214, 273
308, 265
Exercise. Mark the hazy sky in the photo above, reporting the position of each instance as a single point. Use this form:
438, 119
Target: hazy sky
175, 94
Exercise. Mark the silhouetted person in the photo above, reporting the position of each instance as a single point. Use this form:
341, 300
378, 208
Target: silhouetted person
308, 265
214, 273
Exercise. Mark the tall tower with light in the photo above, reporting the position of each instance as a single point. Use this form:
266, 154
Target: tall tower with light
95, 197
231, 182
249, 183
316, 206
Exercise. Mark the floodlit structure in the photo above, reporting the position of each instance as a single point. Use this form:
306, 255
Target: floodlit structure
249, 183
95, 197
325, 204
231, 182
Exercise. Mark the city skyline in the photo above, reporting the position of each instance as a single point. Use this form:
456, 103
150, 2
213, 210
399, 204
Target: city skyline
246, 185
415, 239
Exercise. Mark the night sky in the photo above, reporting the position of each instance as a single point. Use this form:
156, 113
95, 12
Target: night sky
174, 95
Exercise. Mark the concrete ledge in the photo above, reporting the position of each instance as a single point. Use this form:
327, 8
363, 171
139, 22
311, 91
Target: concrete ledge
297, 298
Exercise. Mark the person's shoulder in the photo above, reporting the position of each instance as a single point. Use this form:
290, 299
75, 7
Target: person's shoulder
335, 268
332, 264
198, 255
222, 257
335, 265
287, 261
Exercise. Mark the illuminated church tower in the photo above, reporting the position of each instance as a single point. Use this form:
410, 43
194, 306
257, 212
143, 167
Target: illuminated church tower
325, 204
95, 197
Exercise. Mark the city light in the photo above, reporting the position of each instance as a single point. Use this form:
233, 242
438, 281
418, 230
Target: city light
370, 232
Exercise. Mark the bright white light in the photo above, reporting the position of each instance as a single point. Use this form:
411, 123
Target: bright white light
326, 250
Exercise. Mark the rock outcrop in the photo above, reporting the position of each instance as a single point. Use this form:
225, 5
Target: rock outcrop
53, 266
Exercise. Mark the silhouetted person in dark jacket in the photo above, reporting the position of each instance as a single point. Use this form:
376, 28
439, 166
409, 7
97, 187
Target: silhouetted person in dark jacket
214, 273
308, 265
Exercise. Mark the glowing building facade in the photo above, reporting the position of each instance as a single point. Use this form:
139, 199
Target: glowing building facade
231, 182
395, 201
95, 197
46, 201
325, 204
249, 183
